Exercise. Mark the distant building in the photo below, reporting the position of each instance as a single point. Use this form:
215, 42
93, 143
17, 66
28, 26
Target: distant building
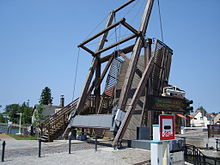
210, 117
199, 119
217, 119
48, 110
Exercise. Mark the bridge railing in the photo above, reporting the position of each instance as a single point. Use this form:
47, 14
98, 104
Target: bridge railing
195, 156
213, 130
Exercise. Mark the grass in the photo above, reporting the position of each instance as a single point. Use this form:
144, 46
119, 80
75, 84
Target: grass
22, 137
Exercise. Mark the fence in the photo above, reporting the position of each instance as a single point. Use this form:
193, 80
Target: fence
195, 156
213, 130
218, 144
12, 129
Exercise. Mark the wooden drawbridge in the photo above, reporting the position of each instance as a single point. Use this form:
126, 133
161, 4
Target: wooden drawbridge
130, 79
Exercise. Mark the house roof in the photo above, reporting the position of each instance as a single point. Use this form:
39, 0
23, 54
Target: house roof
48, 109
180, 115
110, 91
191, 116
199, 111
210, 114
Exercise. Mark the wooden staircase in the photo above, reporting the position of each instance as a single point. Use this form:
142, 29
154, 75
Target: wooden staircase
54, 126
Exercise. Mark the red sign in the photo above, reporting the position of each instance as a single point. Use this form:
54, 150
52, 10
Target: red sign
166, 127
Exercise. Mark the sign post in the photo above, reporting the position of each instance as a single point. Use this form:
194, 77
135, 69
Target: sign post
166, 123
160, 144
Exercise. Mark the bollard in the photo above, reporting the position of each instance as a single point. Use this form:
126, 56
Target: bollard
69, 145
95, 143
39, 151
3, 150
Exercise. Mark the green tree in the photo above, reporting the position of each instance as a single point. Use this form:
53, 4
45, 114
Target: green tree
12, 110
27, 113
2, 119
45, 97
38, 114
202, 109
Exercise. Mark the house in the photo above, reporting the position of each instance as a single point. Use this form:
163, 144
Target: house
210, 117
199, 119
47, 110
217, 119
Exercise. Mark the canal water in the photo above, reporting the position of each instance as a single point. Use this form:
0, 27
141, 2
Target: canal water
8, 130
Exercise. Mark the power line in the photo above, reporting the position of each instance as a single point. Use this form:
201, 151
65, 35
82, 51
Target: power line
97, 26
76, 72
161, 25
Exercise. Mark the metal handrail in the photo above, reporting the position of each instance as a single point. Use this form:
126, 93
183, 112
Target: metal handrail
198, 157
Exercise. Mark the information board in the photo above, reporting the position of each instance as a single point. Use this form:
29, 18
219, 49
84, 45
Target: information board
162, 103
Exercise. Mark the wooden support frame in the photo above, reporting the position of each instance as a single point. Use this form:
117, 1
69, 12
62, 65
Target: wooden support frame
96, 67
106, 30
97, 90
136, 52
129, 27
124, 5
96, 76
115, 44
102, 32
130, 74
99, 51
83, 97
134, 101
146, 113
96, 63
125, 51
88, 50
97, 83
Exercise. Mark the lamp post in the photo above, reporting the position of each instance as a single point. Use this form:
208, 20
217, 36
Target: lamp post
19, 123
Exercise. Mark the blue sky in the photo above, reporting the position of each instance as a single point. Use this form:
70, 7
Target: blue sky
38, 46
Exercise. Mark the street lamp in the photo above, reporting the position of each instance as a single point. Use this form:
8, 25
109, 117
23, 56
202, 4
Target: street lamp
19, 123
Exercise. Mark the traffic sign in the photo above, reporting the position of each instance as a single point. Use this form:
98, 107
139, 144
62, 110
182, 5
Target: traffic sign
166, 124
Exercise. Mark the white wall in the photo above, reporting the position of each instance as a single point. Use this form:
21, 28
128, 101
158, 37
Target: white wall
199, 120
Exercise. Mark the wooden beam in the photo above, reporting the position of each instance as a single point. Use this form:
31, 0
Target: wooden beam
136, 52
97, 91
102, 32
130, 27
85, 93
105, 71
134, 58
134, 102
115, 44
131, 70
138, 72
88, 50
104, 36
124, 5
125, 51
147, 113
95, 84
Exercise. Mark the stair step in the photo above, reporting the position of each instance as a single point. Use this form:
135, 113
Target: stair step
44, 138
57, 123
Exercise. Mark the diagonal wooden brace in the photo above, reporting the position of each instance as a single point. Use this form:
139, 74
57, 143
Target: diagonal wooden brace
134, 101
